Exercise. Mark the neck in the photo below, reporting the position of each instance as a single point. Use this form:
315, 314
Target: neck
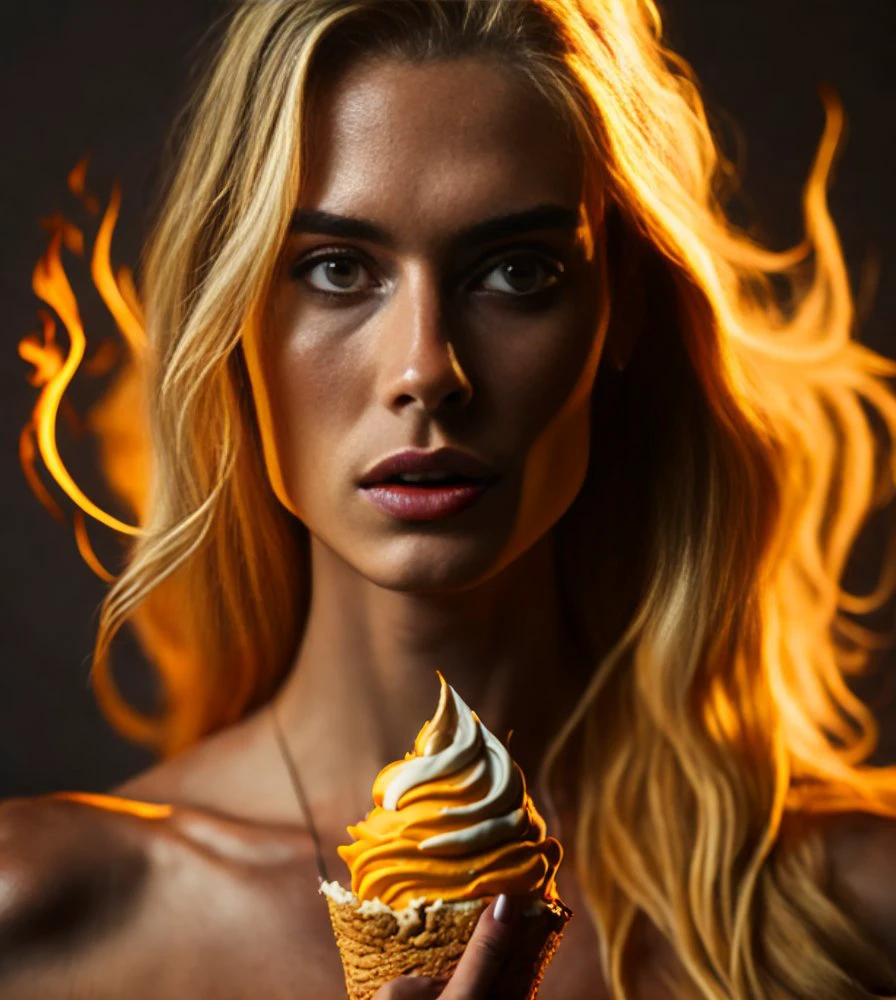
364, 679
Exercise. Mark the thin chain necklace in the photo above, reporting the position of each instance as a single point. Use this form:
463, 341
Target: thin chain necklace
301, 797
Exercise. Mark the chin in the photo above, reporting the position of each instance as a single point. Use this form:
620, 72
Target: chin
430, 566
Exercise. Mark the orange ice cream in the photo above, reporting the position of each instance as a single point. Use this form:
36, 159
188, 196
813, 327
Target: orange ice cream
452, 821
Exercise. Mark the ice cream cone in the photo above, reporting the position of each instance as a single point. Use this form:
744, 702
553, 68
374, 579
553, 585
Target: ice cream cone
452, 827
377, 944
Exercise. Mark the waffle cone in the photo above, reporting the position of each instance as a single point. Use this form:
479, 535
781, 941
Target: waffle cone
428, 940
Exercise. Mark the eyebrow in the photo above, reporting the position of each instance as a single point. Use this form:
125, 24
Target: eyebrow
547, 216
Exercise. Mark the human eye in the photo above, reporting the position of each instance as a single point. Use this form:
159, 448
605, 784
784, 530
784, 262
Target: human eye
335, 272
524, 273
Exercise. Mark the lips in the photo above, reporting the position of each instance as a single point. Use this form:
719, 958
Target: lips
465, 479
424, 503
459, 467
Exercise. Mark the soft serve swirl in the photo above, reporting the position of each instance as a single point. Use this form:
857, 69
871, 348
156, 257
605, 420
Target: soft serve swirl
452, 820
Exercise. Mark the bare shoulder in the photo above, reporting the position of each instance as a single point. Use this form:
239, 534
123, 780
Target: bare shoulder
103, 896
69, 875
861, 850
49, 843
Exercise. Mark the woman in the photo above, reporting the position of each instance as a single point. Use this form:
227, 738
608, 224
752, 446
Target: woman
493, 228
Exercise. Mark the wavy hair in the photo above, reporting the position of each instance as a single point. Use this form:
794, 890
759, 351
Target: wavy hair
733, 463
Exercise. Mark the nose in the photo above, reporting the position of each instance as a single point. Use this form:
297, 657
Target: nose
418, 362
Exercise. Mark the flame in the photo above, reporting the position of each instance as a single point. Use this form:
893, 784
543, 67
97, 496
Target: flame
77, 184
124, 447
118, 421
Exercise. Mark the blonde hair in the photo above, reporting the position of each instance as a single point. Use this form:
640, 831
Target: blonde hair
734, 460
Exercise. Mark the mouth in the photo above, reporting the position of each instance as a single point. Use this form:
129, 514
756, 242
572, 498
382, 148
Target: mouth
423, 482
414, 467
426, 500
416, 485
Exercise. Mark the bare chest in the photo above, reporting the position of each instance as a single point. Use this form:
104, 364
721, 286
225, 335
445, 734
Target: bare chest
271, 937
228, 922
228, 918
228, 910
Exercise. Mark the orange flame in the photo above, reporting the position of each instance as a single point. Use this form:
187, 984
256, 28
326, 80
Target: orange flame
54, 369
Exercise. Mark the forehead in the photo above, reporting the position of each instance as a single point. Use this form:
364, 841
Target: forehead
439, 143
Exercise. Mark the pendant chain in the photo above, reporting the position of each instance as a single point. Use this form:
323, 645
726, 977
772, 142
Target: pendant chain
301, 797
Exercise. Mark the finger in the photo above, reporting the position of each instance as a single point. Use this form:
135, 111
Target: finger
485, 953
410, 988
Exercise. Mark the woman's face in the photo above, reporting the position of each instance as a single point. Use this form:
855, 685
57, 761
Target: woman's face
418, 330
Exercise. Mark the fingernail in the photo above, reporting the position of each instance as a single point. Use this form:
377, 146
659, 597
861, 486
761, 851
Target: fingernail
503, 911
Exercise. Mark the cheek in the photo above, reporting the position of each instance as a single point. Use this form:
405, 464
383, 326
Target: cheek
543, 375
557, 464
557, 461
555, 421
310, 386
317, 400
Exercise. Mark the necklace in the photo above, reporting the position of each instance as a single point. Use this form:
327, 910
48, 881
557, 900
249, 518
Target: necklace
301, 797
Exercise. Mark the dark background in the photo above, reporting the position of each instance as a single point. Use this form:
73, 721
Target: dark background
107, 78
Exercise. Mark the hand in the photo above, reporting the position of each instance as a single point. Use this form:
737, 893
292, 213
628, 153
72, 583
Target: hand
478, 966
